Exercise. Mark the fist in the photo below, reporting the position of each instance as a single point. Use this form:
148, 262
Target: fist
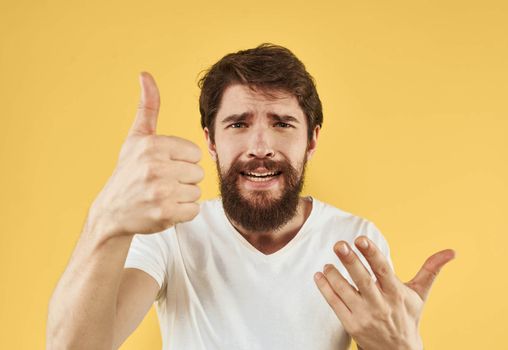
154, 185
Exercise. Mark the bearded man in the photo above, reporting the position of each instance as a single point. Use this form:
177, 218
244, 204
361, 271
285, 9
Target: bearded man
241, 271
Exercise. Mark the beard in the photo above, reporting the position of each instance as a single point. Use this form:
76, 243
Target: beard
261, 211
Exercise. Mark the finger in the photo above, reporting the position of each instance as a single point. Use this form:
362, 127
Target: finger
177, 148
186, 212
424, 279
386, 278
145, 122
187, 193
342, 288
335, 302
188, 173
359, 274
179, 172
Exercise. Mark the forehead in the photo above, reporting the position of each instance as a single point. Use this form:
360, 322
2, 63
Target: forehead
238, 98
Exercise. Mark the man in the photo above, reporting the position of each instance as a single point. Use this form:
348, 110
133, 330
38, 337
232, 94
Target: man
239, 271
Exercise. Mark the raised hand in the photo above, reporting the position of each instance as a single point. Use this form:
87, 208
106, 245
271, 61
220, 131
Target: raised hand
384, 314
154, 185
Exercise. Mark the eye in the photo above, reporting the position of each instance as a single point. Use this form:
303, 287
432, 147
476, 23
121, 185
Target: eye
284, 125
237, 125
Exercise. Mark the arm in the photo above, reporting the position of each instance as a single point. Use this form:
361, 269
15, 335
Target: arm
136, 295
97, 304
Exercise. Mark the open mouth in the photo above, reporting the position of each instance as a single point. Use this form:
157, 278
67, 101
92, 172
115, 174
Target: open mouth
260, 176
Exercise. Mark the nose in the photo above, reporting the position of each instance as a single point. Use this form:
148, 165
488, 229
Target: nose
260, 144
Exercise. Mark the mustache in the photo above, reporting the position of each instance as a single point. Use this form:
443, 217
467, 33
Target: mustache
268, 164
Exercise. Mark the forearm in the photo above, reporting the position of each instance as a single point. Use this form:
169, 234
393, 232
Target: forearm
82, 308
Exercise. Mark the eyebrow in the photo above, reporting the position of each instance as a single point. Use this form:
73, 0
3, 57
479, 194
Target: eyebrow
283, 118
234, 118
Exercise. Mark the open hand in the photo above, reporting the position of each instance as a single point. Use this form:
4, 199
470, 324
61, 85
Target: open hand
384, 314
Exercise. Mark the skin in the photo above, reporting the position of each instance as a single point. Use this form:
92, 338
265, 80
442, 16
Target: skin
97, 303
155, 185
384, 314
260, 136
378, 315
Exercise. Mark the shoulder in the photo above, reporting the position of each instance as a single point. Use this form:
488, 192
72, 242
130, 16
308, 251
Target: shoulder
330, 214
347, 226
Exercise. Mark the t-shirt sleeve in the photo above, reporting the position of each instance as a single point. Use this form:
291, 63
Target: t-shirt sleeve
152, 253
379, 240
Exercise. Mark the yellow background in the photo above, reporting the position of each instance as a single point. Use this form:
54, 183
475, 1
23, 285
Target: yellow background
414, 138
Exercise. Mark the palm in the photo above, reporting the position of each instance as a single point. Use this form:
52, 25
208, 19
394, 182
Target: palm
385, 314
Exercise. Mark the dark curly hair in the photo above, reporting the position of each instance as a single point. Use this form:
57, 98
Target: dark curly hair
267, 67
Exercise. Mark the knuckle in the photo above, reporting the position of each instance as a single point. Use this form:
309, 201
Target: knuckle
365, 326
341, 288
191, 211
197, 192
383, 270
170, 189
149, 143
365, 283
381, 314
150, 172
194, 211
164, 215
147, 146
433, 274
355, 329
369, 325
399, 298
156, 214
157, 193
334, 303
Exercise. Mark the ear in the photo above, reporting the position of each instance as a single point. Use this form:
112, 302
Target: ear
313, 142
211, 145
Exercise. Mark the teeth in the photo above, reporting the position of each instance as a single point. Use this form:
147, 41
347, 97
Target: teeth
259, 179
261, 174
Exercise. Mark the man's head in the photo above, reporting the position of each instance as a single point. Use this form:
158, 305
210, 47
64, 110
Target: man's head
261, 115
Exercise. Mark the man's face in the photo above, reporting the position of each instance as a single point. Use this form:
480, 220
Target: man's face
261, 148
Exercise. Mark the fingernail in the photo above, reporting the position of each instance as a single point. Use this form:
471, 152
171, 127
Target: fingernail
363, 243
327, 267
343, 249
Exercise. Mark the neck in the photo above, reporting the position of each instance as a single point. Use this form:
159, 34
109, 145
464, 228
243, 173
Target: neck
271, 241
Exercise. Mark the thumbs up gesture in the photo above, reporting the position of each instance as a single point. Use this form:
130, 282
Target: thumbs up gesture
154, 185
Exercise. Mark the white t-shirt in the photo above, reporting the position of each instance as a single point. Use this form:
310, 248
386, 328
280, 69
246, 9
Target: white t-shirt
219, 292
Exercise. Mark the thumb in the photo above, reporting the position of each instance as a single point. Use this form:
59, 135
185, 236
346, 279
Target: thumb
145, 122
423, 280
